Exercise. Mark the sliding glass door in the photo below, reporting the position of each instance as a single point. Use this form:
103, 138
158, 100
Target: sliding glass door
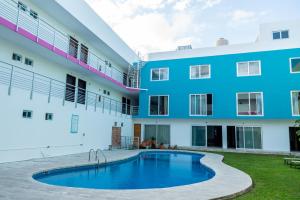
161, 133
248, 138
198, 135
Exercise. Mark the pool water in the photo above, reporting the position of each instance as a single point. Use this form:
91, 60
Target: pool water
147, 170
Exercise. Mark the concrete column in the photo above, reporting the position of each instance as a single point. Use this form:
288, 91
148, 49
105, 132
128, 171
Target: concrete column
224, 136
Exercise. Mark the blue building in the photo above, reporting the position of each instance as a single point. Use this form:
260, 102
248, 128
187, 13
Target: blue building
230, 96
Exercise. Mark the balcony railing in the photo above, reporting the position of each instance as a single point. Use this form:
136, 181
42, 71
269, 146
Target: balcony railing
49, 36
16, 77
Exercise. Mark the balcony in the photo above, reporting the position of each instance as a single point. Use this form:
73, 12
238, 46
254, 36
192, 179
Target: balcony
16, 77
16, 18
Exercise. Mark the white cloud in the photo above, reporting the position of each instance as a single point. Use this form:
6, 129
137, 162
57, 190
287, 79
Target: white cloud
209, 3
242, 16
145, 28
181, 5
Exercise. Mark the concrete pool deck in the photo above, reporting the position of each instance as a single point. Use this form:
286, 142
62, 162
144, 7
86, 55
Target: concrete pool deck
16, 181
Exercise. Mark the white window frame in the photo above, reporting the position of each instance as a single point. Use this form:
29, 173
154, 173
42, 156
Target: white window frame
249, 126
202, 125
291, 71
190, 105
292, 106
199, 66
74, 127
248, 64
159, 71
249, 93
149, 104
280, 31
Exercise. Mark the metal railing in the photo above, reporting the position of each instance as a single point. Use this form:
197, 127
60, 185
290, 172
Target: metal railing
130, 142
34, 83
40, 28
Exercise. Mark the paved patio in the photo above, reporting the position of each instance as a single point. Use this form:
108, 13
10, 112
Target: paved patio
16, 181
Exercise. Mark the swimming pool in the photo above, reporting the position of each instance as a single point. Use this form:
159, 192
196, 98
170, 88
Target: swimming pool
152, 169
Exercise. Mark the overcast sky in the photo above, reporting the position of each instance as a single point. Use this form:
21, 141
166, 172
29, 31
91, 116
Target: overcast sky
161, 25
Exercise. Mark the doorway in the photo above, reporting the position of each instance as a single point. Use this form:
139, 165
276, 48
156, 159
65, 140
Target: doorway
137, 131
214, 136
231, 137
294, 139
116, 137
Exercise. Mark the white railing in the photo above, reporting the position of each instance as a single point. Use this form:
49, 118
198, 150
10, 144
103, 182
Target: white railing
40, 28
34, 83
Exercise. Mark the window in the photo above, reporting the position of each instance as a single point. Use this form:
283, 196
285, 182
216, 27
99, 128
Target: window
295, 65
200, 104
74, 123
22, 6
126, 104
199, 136
49, 116
160, 74
199, 71
295, 103
17, 57
250, 104
159, 133
73, 47
70, 88
84, 52
33, 14
159, 105
249, 137
27, 114
81, 91
277, 35
28, 62
250, 68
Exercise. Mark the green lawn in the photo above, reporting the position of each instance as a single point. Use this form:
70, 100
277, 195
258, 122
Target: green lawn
272, 179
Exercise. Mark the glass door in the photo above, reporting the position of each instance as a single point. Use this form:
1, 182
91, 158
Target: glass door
199, 136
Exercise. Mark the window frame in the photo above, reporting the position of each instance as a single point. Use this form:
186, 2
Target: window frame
149, 104
248, 65
200, 77
190, 105
30, 60
74, 117
249, 126
291, 69
159, 71
47, 116
191, 131
27, 111
292, 105
249, 94
19, 55
280, 32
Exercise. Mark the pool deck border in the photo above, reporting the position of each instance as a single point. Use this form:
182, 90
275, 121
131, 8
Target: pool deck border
16, 180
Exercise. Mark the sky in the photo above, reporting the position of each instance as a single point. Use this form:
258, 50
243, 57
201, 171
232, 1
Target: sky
162, 25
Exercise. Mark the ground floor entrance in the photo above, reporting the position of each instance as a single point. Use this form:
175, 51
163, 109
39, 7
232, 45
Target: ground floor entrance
294, 139
210, 136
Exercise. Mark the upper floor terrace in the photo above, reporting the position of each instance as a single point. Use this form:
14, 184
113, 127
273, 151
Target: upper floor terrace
98, 58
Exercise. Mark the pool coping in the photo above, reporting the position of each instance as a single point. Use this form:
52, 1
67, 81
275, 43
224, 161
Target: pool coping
227, 183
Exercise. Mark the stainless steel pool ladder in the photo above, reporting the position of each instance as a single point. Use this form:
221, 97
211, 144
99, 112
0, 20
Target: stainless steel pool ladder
97, 158
90, 153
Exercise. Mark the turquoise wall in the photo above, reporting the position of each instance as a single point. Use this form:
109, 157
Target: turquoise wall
276, 82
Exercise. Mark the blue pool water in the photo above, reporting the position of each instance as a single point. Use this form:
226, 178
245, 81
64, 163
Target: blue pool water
147, 170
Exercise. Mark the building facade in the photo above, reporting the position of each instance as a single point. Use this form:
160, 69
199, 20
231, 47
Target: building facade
66, 82
69, 84
229, 96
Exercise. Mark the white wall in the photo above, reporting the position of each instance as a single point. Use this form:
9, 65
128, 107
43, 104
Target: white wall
275, 133
28, 138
